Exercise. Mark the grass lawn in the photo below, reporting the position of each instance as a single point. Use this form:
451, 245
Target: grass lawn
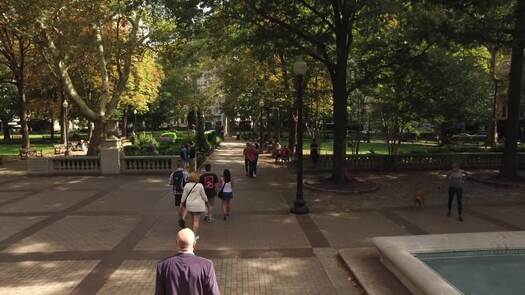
378, 147
12, 149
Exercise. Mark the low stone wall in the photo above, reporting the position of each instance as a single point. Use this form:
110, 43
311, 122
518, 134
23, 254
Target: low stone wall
416, 161
77, 165
148, 164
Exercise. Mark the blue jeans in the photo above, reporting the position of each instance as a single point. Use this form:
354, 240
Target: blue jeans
458, 191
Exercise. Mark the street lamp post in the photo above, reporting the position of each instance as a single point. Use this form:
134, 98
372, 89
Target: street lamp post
65, 104
299, 69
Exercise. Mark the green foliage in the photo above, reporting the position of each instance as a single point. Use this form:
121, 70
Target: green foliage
144, 139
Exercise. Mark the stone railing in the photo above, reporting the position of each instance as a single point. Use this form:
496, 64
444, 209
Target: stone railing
80, 164
416, 161
76, 165
148, 164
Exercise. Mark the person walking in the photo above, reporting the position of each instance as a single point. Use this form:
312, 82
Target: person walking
314, 152
185, 156
194, 200
257, 150
178, 179
210, 181
246, 161
185, 272
252, 159
226, 193
456, 178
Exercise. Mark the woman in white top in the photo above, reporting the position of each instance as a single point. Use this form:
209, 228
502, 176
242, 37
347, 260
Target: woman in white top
226, 193
194, 200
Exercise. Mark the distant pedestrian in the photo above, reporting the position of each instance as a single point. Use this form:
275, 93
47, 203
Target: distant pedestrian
246, 161
178, 179
226, 193
210, 181
185, 156
314, 152
456, 178
186, 273
252, 160
257, 149
194, 200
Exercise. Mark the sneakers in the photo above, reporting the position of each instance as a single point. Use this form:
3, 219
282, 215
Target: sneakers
196, 238
208, 219
460, 219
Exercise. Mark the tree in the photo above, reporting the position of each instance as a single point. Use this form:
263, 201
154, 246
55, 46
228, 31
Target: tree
15, 50
509, 164
113, 33
8, 108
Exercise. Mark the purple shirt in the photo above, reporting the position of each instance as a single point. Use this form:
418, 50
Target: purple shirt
186, 274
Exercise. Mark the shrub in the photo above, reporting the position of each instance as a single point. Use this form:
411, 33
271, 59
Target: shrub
144, 139
132, 150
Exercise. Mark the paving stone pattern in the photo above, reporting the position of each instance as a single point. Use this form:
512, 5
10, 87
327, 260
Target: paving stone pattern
87, 235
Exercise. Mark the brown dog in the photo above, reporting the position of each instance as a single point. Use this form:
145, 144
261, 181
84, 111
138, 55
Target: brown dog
419, 199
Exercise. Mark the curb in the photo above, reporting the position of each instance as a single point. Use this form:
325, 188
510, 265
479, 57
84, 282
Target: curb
496, 183
375, 187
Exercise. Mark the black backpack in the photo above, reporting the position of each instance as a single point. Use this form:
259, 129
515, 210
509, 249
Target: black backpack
177, 181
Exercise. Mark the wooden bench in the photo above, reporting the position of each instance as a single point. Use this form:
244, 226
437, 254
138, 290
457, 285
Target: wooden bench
59, 148
26, 153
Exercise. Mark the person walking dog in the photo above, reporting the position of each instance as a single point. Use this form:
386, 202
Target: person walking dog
456, 179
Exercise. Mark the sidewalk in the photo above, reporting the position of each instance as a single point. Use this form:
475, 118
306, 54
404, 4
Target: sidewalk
87, 235
104, 235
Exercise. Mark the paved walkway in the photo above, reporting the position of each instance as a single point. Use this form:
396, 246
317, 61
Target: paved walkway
87, 235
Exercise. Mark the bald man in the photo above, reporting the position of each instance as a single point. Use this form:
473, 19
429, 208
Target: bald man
185, 273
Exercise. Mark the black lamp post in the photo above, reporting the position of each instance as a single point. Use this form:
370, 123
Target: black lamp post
299, 68
65, 105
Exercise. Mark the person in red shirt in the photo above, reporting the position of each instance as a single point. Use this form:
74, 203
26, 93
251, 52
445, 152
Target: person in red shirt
251, 154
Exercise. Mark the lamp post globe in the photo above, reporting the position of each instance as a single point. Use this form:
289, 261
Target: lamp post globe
299, 68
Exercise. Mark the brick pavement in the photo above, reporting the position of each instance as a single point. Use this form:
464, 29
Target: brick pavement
86, 235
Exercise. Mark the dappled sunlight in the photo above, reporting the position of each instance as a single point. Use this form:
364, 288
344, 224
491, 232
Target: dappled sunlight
154, 180
43, 277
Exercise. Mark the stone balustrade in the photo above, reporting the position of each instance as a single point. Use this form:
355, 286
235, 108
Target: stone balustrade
79, 164
148, 164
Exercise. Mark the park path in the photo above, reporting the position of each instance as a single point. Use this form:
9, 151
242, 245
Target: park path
104, 235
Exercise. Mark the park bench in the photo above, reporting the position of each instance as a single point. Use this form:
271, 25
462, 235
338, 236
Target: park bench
26, 153
59, 148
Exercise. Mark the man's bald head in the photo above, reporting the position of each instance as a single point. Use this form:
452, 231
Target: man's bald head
186, 240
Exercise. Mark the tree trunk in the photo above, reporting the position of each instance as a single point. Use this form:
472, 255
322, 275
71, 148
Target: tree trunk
23, 114
6, 130
292, 132
52, 129
125, 123
90, 130
62, 117
510, 163
493, 129
339, 77
97, 136
201, 137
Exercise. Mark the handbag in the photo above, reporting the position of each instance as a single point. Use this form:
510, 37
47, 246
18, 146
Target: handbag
189, 193
221, 192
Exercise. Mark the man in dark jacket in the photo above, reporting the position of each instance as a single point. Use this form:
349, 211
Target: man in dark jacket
185, 273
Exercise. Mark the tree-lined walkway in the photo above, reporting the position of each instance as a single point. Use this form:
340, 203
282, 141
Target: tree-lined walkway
87, 235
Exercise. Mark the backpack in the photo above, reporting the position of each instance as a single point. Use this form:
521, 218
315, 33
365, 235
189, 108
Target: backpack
208, 182
177, 181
